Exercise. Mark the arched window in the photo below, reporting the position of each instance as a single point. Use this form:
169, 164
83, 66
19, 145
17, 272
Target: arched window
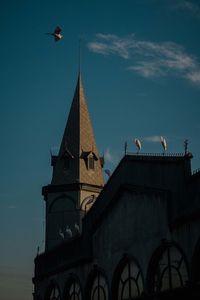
61, 213
170, 270
63, 203
73, 291
53, 293
130, 283
99, 288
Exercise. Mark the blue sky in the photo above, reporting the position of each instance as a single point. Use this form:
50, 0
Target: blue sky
141, 73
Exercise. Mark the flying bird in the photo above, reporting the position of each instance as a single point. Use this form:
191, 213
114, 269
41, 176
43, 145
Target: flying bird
57, 34
163, 143
138, 144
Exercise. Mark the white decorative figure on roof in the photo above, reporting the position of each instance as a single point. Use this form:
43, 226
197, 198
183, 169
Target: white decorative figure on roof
138, 145
163, 143
68, 232
61, 234
57, 34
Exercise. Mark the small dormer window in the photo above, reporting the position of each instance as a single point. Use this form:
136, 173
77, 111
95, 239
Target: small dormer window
89, 158
90, 162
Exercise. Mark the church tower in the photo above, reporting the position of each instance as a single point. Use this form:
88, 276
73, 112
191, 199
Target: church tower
77, 174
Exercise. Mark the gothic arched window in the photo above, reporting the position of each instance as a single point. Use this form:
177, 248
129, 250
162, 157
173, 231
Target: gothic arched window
53, 293
73, 291
99, 288
130, 284
171, 270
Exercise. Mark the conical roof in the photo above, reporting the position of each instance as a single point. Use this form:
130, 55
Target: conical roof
78, 144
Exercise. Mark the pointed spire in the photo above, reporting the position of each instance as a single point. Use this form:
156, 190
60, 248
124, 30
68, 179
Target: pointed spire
78, 146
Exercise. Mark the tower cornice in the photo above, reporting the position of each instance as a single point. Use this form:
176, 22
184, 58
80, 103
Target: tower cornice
70, 187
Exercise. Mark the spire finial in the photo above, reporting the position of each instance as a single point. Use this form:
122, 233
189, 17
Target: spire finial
79, 56
186, 146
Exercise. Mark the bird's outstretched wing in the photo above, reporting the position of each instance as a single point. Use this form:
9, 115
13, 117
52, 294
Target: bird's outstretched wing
57, 30
56, 38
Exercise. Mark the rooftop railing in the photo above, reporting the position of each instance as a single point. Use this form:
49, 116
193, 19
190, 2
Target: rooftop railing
158, 154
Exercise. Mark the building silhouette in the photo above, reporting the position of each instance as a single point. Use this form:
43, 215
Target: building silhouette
135, 237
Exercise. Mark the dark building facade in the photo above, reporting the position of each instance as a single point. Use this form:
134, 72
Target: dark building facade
135, 237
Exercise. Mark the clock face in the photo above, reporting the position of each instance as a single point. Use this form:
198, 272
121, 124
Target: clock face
88, 202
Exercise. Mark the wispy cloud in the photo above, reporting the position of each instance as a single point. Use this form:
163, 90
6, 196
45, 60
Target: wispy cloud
111, 44
111, 157
188, 6
108, 156
149, 59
